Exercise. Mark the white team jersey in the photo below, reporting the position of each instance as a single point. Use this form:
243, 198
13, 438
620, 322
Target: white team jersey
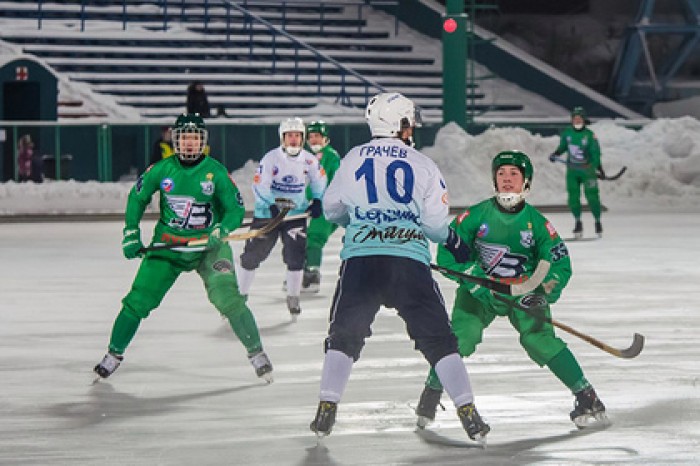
281, 175
391, 200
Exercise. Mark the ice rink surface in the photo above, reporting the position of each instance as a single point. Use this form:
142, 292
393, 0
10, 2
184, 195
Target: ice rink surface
186, 395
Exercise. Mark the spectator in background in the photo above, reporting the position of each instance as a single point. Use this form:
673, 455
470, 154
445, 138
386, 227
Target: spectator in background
30, 166
197, 101
163, 147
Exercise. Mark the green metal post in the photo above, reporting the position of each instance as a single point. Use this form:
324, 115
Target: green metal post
454, 62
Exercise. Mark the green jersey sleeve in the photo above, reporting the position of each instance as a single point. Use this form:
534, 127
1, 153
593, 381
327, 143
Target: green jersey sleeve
229, 200
552, 248
140, 196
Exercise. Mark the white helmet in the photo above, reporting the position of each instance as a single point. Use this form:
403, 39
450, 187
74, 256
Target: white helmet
289, 125
389, 113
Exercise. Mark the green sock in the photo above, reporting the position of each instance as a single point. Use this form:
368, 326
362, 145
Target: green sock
244, 326
565, 367
125, 326
313, 256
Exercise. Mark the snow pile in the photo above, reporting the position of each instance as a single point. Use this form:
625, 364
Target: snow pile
662, 159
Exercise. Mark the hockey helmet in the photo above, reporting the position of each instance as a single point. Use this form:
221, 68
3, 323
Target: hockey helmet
522, 162
318, 127
189, 136
389, 113
290, 125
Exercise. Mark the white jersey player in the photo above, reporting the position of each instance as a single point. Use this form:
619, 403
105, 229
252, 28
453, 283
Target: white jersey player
391, 200
284, 172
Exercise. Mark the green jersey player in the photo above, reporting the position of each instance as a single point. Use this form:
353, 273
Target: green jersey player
319, 229
508, 237
583, 164
198, 199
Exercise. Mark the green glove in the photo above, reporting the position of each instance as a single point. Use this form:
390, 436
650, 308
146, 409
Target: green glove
131, 243
214, 241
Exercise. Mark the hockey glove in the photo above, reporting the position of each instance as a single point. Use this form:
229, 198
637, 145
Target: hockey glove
274, 210
457, 246
314, 208
553, 157
536, 306
131, 243
214, 241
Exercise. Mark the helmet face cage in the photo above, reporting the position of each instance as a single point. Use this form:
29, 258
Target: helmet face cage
189, 137
290, 125
522, 162
388, 114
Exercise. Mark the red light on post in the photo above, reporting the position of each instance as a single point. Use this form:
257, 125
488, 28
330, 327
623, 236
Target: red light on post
450, 25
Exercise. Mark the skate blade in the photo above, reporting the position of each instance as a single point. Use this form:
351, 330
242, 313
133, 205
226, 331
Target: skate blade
588, 421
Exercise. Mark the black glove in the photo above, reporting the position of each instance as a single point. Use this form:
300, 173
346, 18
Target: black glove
553, 157
601, 173
274, 210
457, 247
314, 208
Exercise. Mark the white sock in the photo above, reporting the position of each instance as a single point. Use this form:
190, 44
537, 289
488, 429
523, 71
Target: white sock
336, 372
245, 279
453, 376
294, 279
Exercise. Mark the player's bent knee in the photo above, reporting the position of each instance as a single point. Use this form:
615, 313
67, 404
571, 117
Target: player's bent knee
436, 348
351, 347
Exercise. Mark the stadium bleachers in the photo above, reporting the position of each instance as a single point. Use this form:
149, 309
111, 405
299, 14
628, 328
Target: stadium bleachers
144, 54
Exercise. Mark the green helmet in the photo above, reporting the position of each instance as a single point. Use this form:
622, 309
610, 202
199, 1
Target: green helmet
189, 124
579, 111
522, 162
318, 126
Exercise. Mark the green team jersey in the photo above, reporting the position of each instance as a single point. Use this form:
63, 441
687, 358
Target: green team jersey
193, 200
330, 161
582, 148
508, 246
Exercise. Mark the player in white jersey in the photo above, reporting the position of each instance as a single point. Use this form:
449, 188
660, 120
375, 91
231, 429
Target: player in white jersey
392, 200
284, 172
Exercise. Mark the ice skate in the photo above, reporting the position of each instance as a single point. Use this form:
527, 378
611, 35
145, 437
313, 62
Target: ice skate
475, 427
294, 307
599, 229
588, 409
427, 406
107, 366
262, 365
578, 230
322, 424
312, 280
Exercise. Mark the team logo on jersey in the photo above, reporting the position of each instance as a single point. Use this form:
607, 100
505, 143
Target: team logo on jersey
289, 179
207, 187
462, 216
551, 230
167, 184
139, 184
498, 261
275, 170
239, 198
526, 238
256, 178
483, 230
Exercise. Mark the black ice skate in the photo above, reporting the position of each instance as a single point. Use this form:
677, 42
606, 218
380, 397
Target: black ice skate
427, 406
599, 229
312, 280
475, 427
262, 365
322, 424
294, 307
588, 409
578, 230
107, 366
